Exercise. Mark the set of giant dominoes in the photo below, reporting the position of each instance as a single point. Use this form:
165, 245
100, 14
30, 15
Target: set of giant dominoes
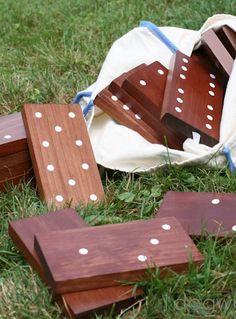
90, 269
167, 106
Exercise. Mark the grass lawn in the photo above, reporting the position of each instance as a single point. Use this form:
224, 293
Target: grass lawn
48, 51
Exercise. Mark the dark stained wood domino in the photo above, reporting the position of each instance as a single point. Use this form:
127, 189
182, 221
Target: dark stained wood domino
147, 86
217, 52
22, 232
62, 156
14, 165
121, 113
83, 303
103, 256
193, 99
12, 135
77, 304
228, 37
130, 113
201, 213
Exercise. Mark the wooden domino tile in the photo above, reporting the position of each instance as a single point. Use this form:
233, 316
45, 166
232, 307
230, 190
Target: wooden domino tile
147, 86
12, 135
193, 99
217, 52
228, 37
122, 113
128, 112
14, 165
104, 256
62, 156
201, 213
77, 304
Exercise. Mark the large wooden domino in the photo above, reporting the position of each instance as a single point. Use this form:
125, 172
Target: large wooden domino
77, 304
193, 99
147, 86
104, 256
12, 134
201, 213
228, 37
62, 156
121, 113
217, 52
15, 160
125, 109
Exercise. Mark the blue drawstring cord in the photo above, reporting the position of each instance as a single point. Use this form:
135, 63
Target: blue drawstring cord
158, 33
227, 153
79, 96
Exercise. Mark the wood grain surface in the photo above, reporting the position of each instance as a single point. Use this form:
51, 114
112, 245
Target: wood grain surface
77, 304
104, 256
217, 52
147, 86
193, 99
121, 113
14, 165
12, 135
201, 213
228, 37
62, 156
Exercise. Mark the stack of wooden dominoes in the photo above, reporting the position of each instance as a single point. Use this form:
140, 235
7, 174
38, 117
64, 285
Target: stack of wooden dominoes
167, 106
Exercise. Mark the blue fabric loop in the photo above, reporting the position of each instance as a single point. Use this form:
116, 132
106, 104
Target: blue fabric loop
88, 107
158, 33
228, 156
80, 95
78, 98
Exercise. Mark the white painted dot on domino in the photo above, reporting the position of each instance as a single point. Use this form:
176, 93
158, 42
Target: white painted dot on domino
38, 115
154, 241
142, 82
182, 76
59, 198
181, 91
211, 93
210, 107
179, 100
125, 107
210, 118
45, 144
178, 109
7, 136
142, 258
166, 227
215, 201
50, 168
78, 142
58, 128
71, 182
234, 228
93, 197
212, 85
212, 76
160, 71
184, 68
71, 115
138, 117
185, 60
114, 98
85, 166
83, 251
208, 126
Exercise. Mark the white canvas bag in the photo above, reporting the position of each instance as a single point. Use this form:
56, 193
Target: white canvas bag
117, 147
